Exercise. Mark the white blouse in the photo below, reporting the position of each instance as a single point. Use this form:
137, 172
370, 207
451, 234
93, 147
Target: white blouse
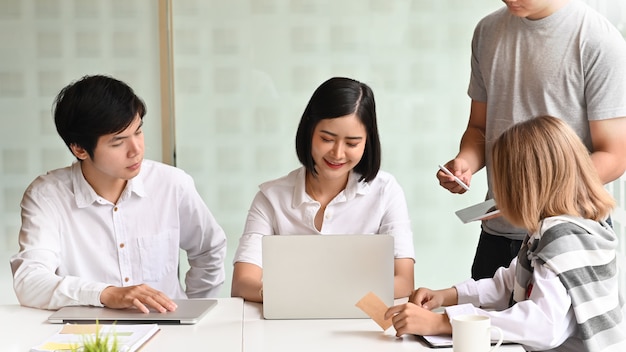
282, 207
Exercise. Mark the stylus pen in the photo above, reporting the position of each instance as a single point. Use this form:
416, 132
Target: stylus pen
456, 179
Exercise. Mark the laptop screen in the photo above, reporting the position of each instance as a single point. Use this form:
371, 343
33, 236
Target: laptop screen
324, 276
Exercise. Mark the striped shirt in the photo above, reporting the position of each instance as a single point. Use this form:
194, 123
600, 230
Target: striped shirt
582, 254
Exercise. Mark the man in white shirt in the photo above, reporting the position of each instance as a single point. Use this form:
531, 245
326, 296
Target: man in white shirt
107, 230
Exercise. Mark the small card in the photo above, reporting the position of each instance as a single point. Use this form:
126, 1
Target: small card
375, 308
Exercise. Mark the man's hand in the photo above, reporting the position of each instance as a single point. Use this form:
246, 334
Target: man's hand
141, 296
460, 169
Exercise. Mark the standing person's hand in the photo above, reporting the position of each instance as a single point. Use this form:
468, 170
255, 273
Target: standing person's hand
141, 296
459, 168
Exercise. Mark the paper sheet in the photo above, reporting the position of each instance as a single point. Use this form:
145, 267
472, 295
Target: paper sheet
129, 337
375, 308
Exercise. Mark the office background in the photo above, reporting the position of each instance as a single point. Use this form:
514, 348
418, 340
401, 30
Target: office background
226, 105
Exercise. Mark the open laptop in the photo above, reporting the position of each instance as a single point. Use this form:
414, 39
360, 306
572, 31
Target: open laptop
324, 276
189, 311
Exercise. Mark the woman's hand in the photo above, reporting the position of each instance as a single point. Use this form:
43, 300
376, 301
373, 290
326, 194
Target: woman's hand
433, 299
410, 318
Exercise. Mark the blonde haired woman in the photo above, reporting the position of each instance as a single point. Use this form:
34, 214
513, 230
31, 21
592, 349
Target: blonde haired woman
561, 293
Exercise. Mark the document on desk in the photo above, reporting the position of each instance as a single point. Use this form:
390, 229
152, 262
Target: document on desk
445, 341
129, 338
437, 341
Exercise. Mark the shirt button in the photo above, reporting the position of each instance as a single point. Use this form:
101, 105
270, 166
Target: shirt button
115, 209
121, 245
126, 279
328, 216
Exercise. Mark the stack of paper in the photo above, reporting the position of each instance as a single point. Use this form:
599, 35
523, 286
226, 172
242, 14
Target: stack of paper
129, 338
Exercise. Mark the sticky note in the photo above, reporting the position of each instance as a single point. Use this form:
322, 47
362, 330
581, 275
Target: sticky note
79, 329
57, 346
375, 308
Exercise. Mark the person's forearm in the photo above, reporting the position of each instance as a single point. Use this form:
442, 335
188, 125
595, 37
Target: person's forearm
450, 296
206, 274
472, 148
403, 273
608, 166
403, 287
204, 282
247, 282
48, 291
248, 290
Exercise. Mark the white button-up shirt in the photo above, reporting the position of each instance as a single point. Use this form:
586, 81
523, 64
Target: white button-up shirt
282, 207
74, 243
543, 321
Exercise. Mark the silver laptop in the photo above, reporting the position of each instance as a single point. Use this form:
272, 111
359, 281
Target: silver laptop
324, 276
189, 311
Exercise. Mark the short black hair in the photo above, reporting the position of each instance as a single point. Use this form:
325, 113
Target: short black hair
337, 97
94, 106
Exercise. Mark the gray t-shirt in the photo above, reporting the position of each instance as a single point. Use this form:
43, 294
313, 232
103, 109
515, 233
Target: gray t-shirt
570, 65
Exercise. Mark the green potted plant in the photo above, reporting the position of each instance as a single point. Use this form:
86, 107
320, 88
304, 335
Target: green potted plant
98, 343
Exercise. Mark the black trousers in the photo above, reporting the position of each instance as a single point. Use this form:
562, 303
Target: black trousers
493, 252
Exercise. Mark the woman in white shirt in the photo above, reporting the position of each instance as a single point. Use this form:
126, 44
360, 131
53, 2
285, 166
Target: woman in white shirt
561, 293
338, 190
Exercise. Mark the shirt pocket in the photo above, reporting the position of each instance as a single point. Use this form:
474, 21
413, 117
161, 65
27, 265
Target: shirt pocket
159, 255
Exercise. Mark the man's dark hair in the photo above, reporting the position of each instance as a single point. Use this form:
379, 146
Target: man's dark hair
92, 107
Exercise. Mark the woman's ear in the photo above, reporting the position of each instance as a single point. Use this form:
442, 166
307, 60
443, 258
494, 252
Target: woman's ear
79, 152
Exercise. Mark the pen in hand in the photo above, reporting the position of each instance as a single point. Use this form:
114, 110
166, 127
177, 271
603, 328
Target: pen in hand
456, 179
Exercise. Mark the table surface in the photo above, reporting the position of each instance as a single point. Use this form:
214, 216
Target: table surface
327, 335
232, 326
23, 328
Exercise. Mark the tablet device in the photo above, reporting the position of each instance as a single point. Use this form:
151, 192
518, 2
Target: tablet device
478, 211
189, 311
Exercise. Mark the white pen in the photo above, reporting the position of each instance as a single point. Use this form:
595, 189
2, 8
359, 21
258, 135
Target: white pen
456, 179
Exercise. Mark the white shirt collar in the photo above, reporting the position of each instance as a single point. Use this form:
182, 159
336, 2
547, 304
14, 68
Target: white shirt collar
353, 188
85, 194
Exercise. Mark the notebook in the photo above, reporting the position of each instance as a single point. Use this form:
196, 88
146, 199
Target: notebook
72, 337
443, 341
189, 311
324, 276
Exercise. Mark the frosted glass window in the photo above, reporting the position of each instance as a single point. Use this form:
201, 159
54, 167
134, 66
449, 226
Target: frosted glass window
45, 45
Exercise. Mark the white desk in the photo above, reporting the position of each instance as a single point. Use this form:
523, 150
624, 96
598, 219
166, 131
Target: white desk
22, 328
327, 335
231, 326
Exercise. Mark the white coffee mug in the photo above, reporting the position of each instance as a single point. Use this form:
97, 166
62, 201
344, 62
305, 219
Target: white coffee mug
472, 333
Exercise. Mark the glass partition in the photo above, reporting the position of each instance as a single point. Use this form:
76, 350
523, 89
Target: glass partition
244, 71
46, 45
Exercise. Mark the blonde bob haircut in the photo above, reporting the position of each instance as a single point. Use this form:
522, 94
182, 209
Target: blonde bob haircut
541, 169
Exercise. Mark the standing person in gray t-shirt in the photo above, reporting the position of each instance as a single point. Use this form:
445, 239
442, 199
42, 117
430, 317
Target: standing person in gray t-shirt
533, 58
